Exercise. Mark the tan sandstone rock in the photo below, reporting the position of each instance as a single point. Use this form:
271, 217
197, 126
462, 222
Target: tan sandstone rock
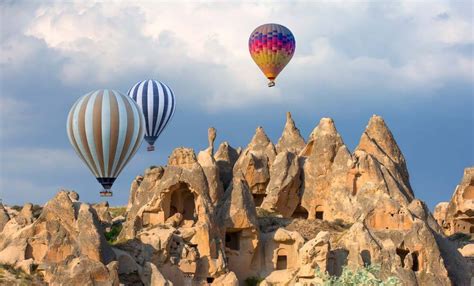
211, 170
25, 216
320, 152
151, 276
460, 210
239, 228
64, 228
324, 208
225, 157
440, 212
174, 223
81, 271
255, 162
211, 137
291, 139
378, 141
282, 194
227, 279
4, 217
284, 277
314, 253
102, 210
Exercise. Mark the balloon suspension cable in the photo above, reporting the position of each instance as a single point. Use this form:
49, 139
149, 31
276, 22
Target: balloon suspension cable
271, 83
106, 193
150, 148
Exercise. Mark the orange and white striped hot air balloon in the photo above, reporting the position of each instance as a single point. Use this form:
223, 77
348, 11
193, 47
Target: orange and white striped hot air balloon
105, 129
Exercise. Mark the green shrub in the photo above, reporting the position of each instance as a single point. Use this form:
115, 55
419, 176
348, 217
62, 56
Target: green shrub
11, 276
362, 276
112, 235
253, 281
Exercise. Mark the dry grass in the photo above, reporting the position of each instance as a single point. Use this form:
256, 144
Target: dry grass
118, 211
310, 228
12, 276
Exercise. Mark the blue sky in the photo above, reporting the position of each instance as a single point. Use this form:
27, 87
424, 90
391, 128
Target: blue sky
410, 62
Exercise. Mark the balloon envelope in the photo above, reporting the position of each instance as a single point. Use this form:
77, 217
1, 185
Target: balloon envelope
272, 46
105, 129
157, 102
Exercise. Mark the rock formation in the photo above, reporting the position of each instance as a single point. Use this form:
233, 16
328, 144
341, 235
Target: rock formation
319, 155
291, 139
289, 214
179, 211
211, 137
225, 157
440, 212
211, 169
457, 216
4, 217
239, 228
65, 233
255, 162
282, 193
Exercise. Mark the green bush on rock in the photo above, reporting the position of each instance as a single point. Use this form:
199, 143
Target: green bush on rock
362, 276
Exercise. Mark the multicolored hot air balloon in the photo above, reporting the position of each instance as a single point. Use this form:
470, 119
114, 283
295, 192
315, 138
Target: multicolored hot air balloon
158, 104
106, 129
272, 46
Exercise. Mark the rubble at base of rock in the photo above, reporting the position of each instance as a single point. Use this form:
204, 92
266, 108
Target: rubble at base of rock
268, 213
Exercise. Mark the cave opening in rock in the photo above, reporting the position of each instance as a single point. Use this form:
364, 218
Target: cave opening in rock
182, 201
416, 264
28, 251
402, 253
319, 212
282, 262
300, 212
258, 199
281, 259
354, 184
319, 215
366, 258
338, 261
232, 239
471, 229
210, 279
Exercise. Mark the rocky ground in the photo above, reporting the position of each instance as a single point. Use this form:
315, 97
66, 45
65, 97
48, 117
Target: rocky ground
295, 213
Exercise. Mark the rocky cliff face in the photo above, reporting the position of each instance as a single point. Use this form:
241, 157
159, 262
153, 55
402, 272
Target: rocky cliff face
456, 217
275, 213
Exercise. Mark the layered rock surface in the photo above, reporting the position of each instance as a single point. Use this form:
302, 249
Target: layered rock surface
457, 216
65, 233
275, 213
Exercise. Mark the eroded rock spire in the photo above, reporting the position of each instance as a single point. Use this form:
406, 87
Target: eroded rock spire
291, 139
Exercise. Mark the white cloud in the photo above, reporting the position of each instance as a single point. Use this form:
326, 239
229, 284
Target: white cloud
202, 47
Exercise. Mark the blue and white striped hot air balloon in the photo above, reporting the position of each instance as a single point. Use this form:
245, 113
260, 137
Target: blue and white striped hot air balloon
157, 102
105, 129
